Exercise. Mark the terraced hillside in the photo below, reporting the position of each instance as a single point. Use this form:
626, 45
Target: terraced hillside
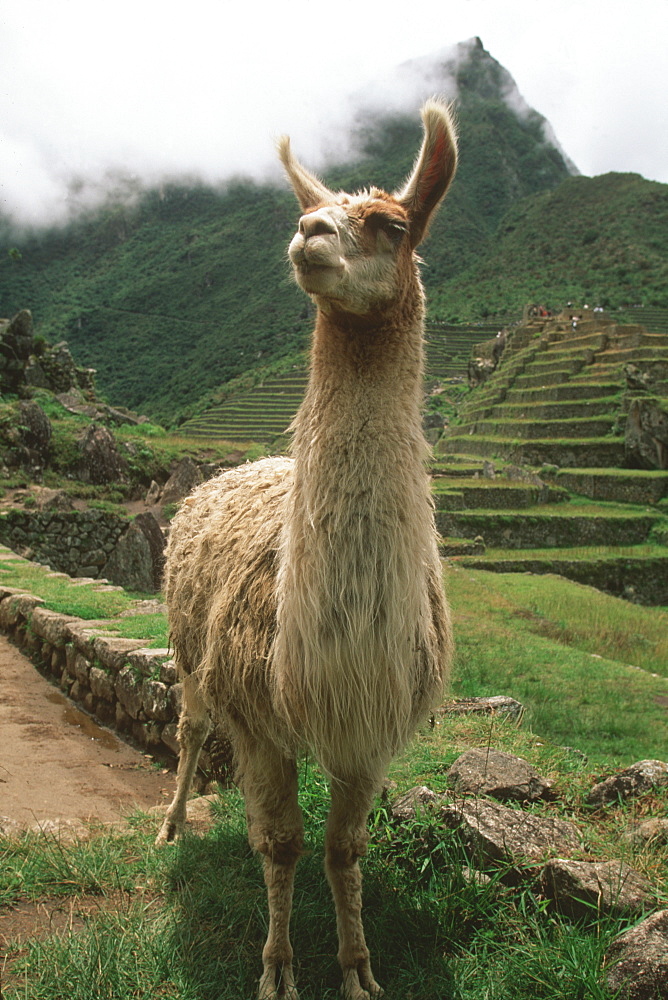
558, 405
265, 411
261, 413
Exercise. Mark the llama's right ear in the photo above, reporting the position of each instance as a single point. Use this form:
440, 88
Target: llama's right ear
309, 190
433, 172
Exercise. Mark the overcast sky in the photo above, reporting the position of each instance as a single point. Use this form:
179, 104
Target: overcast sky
203, 87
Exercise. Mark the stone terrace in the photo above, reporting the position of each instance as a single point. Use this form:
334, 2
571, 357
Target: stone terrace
558, 404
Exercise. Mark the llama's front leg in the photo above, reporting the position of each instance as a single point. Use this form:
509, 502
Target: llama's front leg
345, 843
275, 829
193, 729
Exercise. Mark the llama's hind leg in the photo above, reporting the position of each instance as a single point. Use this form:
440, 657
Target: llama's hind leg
345, 843
275, 829
193, 729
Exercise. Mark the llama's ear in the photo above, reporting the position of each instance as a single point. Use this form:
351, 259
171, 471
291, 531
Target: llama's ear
309, 190
434, 169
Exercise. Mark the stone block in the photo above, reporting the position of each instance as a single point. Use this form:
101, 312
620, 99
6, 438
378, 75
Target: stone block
147, 661
147, 734
105, 712
497, 834
168, 672
102, 684
636, 963
168, 737
81, 668
484, 771
416, 800
639, 778
589, 888
52, 626
176, 699
124, 720
155, 697
113, 653
128, 689
25, 604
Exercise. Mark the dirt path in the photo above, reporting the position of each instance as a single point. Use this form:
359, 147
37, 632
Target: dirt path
56, 763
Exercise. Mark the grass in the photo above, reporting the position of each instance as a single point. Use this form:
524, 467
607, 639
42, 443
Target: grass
580, 660
60, 593
587, 552
188, 922
584, 664
88, 601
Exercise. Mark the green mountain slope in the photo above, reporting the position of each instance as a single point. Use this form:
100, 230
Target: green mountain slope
180, 290
601, 240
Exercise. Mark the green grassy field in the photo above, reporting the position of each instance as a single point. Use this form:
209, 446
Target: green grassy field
188, 922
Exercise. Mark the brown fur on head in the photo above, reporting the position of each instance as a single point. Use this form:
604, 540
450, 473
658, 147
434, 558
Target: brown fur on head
351, 252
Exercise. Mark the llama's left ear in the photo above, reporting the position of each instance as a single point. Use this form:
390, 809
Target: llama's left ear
309, 190
433, 171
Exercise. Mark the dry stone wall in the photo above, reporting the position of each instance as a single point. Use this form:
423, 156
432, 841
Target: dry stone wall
121, 682
74, 542
90, 543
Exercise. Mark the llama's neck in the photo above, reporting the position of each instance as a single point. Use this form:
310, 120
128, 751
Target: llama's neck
363, 403
358, 541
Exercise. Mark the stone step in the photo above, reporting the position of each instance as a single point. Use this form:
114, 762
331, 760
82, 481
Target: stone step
591, 453
639, 575
532, 430
632, 355
565, 410
550, 526
555, 393
532, 380
497, 494
637, 486
590, 341
570, 362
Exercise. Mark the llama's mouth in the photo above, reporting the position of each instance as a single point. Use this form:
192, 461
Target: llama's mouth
318, 279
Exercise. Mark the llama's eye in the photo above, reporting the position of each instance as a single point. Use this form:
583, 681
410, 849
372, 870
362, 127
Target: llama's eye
395, 231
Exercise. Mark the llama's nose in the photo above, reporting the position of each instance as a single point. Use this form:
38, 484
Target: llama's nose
316, 224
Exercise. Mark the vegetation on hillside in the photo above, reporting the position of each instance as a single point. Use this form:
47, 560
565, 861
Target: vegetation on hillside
601, 241
172, 293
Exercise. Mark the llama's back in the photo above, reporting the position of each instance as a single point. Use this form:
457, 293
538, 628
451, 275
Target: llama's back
221, 581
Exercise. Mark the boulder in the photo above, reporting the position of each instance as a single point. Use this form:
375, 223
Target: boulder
137, 562
646, 434
153, 494
479, 370
52, 500
484, 771
498, 704
55, 369
35, 433
588, 888
16, 343
405, 807
634, 780
100, 461
637, 961
495, 834
181, 482
129, 690
651, 832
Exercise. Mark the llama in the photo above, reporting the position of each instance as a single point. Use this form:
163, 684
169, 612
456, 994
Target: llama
306, 603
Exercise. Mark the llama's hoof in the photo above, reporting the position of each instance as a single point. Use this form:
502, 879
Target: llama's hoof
169, 832
286, 990
360, 986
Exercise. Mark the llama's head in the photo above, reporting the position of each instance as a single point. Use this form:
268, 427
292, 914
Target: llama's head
355, 253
